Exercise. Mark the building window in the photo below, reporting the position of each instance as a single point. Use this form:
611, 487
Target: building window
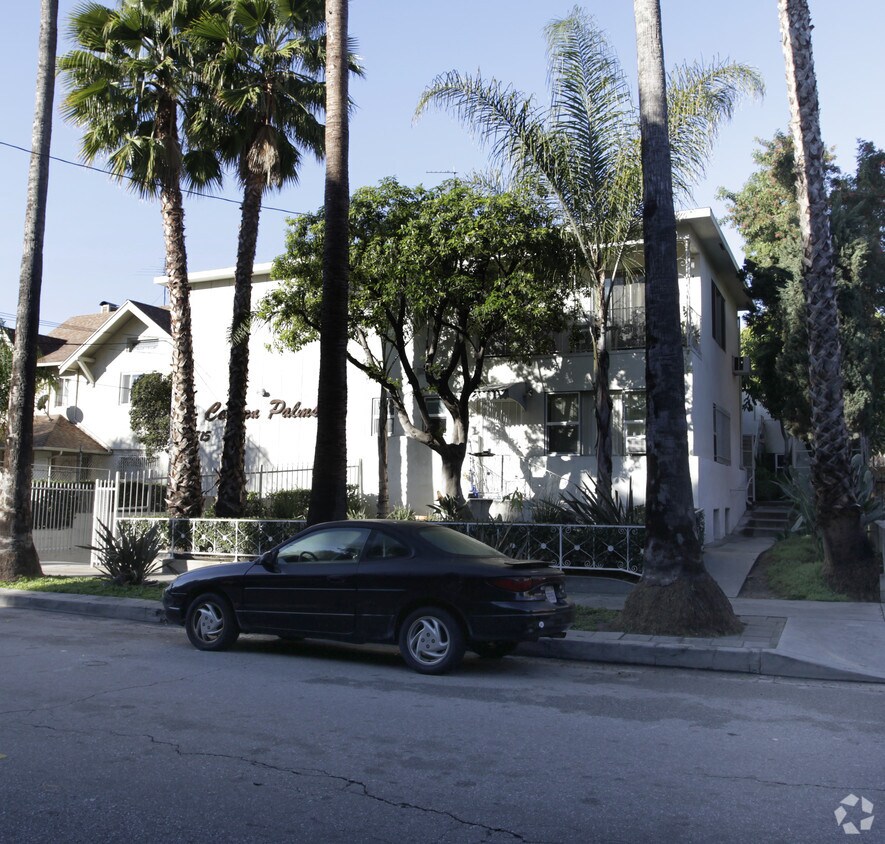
126, 382
437, 414
581, 338
718, 302
721, 436
633, 414
376, 416
63, 392
563, 423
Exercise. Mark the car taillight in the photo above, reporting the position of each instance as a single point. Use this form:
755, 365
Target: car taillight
519, 585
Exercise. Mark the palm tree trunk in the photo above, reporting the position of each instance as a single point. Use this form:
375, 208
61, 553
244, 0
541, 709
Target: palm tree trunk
675, 595
232, 481
328, 499
849, 563
602, 392
18, 556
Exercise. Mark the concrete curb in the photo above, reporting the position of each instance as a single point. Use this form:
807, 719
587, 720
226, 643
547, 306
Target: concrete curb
123, 609
590, 647
579, 646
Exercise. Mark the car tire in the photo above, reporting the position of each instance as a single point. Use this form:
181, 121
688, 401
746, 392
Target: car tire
210, 623
431, 641
494, 650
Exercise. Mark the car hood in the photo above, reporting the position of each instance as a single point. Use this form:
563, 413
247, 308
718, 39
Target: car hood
211, 573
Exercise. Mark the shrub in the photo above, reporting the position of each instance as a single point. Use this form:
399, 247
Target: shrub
129, 558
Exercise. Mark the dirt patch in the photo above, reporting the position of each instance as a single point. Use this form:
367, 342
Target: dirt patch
756, 584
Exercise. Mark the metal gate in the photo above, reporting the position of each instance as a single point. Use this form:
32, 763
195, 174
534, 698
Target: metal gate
61, 520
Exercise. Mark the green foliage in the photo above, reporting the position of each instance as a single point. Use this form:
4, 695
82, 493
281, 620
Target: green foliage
402, 512
797, 487
151, 401
5, 375
766, 214
86, 586
547, 510
794, 571
448, 508
593, 505
130, 556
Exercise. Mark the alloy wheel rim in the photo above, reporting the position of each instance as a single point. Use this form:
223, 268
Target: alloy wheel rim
208, 622
428, 640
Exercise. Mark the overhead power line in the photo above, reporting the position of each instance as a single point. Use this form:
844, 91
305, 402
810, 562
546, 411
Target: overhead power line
83, 166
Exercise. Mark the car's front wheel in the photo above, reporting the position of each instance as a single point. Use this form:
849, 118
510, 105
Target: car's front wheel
431, 641
211, 624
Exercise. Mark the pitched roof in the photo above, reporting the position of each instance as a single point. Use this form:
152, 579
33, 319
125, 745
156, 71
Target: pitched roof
58, 434
44, 342
78, 332
70, 335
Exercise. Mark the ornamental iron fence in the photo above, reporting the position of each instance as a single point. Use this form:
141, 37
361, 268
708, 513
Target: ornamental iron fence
607, 548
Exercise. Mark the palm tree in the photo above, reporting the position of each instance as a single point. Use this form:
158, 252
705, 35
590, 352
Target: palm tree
265, 81
849, 563
18, 556
675, 594
128, 86
328, 497
584, 147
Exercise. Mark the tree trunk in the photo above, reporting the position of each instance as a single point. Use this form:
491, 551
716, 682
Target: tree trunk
602, 394
452, 456
675, 595
231, 501
849, 563
328, 499
18, 556
383, 506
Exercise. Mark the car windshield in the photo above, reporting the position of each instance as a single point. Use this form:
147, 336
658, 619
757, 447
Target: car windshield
453, 542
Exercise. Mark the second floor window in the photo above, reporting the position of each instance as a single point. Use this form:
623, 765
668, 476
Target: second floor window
126, 381
718, 321
563, 423
64, 392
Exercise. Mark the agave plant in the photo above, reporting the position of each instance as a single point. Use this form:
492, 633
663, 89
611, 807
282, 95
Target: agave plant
129, 556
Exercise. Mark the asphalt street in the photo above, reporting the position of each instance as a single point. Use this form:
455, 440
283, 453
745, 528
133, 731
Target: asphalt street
113, 731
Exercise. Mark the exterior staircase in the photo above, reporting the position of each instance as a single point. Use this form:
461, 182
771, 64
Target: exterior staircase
767, 518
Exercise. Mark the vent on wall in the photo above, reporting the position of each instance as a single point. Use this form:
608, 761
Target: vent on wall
741, 366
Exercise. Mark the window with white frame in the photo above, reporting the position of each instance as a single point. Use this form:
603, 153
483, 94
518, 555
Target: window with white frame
127, 379
718, 320
376, 416
721, 436
64, 390
633, 415
437, 413
563, 423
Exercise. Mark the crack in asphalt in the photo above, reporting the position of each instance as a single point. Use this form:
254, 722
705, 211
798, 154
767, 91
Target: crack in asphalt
316, 773
762, 781
347, 783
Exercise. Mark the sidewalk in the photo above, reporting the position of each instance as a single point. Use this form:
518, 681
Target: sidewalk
803, 639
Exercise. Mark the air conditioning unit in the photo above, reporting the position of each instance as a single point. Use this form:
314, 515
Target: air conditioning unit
741, 366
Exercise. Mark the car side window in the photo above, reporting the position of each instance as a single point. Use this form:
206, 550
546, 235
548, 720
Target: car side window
332, 545
383, 546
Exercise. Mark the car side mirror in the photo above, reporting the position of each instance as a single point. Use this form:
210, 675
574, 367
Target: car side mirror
269, 561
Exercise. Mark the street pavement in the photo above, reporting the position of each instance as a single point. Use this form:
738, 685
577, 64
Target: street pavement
803, 639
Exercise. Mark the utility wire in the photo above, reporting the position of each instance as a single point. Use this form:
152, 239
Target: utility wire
187, 191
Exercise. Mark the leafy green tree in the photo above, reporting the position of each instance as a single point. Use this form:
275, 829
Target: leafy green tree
849, 562
444, 278
5, 378
18, 556
131, 86
765, 212
676, 594
149, 411
263, 97
584, 147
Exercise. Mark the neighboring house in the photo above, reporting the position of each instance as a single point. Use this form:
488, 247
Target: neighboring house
532, 428
91, 361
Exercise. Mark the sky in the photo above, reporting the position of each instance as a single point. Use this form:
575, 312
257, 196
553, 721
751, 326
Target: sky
105, 243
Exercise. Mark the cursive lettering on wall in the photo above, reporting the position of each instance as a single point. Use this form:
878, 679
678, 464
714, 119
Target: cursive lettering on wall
278, 407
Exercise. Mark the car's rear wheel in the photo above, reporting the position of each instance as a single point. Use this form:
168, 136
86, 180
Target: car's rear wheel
211, 624
431, 641
494, 650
